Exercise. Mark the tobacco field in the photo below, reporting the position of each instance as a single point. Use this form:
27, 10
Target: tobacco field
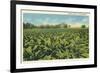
58, 43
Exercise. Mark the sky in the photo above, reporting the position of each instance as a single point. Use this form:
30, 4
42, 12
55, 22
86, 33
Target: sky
52, 19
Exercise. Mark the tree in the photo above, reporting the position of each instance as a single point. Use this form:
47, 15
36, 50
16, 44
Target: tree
65, 26
28, 25
83, 26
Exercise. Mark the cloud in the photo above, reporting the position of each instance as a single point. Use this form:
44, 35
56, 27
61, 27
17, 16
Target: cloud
85, 20
45, 21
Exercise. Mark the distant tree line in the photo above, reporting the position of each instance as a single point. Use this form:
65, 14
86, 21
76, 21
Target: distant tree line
61, 25
28, 25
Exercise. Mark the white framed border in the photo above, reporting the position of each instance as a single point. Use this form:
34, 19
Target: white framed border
53, 63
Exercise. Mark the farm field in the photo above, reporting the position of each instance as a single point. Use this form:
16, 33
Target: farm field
55, 43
